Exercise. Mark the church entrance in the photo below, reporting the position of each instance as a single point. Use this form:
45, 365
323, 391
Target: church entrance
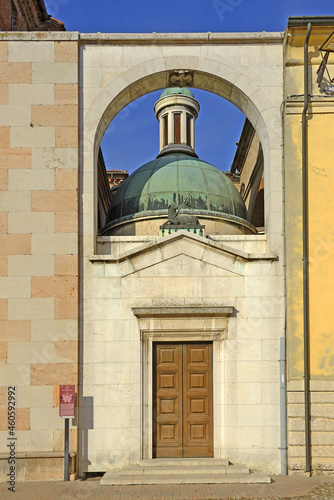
182, 400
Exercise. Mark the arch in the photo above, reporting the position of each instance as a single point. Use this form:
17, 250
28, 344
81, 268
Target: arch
210, 75
228, 82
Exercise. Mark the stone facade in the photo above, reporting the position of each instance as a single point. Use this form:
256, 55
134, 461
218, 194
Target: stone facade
180, 271
83, 309
39, 240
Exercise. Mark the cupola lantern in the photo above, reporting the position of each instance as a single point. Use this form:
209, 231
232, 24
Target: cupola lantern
176, 111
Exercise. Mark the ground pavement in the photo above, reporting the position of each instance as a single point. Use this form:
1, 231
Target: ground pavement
282, 487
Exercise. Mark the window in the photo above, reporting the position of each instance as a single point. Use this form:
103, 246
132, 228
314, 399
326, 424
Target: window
165, 130
188, 129
177, 128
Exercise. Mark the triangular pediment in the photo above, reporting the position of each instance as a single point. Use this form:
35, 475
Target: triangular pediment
184, 253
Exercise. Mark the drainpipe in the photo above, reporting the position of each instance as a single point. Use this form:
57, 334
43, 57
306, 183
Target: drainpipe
283, 446
306, 254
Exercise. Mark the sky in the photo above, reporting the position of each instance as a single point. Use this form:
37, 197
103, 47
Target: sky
133, 137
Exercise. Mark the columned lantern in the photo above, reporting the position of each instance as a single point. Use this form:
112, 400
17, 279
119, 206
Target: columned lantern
177, 110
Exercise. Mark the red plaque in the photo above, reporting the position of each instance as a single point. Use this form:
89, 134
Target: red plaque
66, 401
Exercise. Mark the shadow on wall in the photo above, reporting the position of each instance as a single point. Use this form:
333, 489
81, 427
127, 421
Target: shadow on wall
86, 418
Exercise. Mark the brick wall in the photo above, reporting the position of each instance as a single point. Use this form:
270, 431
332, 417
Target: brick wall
26, 15
39, 237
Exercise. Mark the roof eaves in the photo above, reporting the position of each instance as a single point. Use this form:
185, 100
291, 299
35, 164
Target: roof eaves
295, 21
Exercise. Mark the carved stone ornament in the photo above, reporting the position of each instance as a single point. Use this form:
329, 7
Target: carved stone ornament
181, 78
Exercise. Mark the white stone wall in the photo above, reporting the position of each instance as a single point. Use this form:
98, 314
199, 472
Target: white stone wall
183, 271
186, 272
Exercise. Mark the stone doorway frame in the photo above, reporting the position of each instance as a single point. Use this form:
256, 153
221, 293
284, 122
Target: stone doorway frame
183, 324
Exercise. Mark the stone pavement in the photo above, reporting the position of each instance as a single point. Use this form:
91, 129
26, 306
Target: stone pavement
291, 487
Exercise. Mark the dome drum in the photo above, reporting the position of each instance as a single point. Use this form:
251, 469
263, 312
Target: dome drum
148, 224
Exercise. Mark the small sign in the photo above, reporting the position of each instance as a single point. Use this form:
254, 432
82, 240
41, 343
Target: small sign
66, 401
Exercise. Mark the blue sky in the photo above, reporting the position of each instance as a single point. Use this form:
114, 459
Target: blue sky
127, 145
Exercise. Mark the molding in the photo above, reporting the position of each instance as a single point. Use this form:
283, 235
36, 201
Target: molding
177, 311
182, 38
179, 235
39, 36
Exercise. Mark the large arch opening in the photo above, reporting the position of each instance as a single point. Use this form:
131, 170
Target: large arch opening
224, 137
218, 78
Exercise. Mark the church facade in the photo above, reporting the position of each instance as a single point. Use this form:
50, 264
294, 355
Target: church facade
174, 338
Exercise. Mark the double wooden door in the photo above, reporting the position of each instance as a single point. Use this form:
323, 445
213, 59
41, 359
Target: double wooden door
182, 400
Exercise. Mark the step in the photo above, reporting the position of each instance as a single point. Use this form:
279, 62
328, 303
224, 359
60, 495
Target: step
112, 478
182, 470
183, 462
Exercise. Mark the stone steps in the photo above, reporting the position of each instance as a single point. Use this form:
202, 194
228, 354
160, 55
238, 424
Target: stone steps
184, 462
152, 471
184, 471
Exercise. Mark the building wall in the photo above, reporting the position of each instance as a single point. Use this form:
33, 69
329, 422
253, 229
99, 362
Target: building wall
46, 226
38, 242
27, 15
321, 237
122, 273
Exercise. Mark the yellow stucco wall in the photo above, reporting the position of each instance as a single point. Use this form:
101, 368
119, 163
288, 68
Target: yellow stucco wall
321, 207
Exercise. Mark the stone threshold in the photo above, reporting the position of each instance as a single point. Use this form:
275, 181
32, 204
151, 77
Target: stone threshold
184, 471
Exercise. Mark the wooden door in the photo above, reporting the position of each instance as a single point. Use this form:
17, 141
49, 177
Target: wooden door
182, 400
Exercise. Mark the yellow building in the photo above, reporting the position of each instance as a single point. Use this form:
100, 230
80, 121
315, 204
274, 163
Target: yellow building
308, 121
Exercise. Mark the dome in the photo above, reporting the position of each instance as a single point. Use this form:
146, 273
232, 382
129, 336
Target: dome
176, 91
174, 178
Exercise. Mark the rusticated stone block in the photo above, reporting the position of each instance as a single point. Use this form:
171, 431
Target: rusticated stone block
66, 222
54, 72
22, 419
66, 137
54, 286
66, 180
66, 93
67, 350
4, 94
54, 115
4, 136
66, 265
3, 309
15, 157
53, 373
323, 465
58, 201
296, 464
66, 308
3, 51
66, 51
3, 222
42, 469
58, 440
3, 397
3, 352
3, 179
15, 72
15, 244
3, 265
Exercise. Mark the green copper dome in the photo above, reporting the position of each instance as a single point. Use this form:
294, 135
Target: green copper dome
176, 177
176, 91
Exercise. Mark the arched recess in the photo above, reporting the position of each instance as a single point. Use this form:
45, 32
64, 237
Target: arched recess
221, 79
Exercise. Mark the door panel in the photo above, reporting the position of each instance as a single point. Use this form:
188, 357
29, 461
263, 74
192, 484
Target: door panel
168, 400
197, 400
183, 424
